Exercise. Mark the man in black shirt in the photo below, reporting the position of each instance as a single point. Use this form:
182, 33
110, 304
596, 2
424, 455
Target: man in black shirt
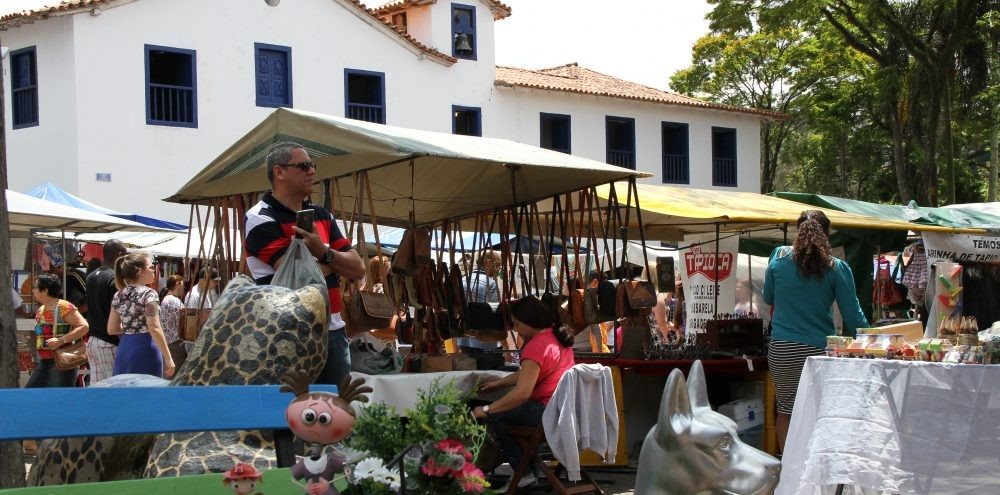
101, 288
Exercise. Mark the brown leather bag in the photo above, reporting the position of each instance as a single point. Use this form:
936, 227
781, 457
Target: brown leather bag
634, 298
414, 250
70, 356
366, 308
191, 321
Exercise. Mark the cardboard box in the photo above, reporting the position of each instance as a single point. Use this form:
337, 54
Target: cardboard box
747, 413
447, 362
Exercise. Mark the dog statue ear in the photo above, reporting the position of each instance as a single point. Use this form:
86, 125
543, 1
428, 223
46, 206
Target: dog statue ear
697, 389
675, 411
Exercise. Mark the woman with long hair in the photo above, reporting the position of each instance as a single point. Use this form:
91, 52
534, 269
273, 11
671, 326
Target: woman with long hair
801, 283
170, 317
57, 323
546, 356
135, 315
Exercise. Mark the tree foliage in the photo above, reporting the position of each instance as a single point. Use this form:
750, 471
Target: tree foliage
885, 100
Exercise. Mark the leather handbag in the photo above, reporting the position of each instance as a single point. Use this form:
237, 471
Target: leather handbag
414, 249
486, 321
635, 297
368, 309
70, 356
191, 321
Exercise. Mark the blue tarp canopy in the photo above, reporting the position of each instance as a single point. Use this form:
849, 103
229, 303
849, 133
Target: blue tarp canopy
51, 192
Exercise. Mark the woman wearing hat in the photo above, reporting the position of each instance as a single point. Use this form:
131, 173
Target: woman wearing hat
546, 355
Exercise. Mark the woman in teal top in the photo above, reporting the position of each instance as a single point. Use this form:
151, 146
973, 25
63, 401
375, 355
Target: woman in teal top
801, 284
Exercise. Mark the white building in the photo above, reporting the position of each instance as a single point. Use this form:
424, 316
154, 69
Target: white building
123, 101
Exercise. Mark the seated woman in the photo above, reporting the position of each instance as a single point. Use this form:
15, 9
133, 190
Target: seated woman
546, 355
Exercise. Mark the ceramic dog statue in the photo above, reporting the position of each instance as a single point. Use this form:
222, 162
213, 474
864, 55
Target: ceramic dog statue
693, 449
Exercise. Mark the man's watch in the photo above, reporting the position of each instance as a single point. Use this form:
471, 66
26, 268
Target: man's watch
486, 409
327, 257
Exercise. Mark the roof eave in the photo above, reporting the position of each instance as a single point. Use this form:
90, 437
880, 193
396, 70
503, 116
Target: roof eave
763, 114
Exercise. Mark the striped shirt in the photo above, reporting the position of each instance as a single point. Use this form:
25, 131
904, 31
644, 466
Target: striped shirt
269, 233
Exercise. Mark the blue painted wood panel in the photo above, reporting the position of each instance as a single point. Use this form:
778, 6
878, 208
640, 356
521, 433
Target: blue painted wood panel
76, 412
273, 75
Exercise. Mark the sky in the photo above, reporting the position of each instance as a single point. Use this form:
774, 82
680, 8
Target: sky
643, 41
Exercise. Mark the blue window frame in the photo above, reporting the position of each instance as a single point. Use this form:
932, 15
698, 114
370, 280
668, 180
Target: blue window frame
273, 75
620, 141
723, 157
467, 121
554, 132
171, 86
676, 161
364, 95
463, 31
24, 87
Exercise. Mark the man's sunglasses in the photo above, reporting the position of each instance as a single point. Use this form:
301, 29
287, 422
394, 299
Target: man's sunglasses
303, 166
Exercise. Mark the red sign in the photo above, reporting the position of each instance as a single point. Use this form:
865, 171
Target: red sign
705, 264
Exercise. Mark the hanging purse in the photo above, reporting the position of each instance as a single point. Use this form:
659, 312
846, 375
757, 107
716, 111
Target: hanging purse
369, 309
414, 249
67, 356
484, 320
634, 297
591, 306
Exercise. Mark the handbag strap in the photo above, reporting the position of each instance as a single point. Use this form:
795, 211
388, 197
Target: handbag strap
359, 182
642, 230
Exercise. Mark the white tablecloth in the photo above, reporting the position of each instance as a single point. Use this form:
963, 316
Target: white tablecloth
895, 426
400, 390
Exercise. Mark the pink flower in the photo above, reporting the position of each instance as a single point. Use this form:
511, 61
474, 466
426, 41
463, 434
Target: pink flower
450, 446
431, 468
471, 479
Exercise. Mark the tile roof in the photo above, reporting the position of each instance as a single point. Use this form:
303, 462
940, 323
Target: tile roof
71, 6
499, 9
572, 78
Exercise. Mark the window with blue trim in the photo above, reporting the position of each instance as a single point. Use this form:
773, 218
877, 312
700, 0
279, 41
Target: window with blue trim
676, 162
554, 132
467, 121
463, 31
723, 157
620, 141
24, 88
364, 94
171, 87
273, 75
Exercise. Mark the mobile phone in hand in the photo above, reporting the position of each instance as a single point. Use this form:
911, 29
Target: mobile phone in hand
304, 220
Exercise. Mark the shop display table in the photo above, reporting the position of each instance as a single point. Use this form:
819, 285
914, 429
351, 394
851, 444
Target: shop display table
894, 426
401, 389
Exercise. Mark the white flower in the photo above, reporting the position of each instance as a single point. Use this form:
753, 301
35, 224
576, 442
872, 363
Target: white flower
388, 477
367, 467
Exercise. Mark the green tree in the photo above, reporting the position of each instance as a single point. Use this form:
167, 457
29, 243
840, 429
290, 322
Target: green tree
752, 70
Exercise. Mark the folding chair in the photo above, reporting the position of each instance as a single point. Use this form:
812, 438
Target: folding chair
532, 441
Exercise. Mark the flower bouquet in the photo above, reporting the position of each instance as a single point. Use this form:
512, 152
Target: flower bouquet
433, 454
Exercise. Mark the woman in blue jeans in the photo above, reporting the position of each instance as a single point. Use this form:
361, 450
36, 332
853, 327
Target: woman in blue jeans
57, 323
546, 356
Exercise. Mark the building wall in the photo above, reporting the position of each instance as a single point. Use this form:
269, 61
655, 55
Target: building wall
516, 116
92, 100
46, 152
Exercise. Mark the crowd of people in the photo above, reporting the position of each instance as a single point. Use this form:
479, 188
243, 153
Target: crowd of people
134, 329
